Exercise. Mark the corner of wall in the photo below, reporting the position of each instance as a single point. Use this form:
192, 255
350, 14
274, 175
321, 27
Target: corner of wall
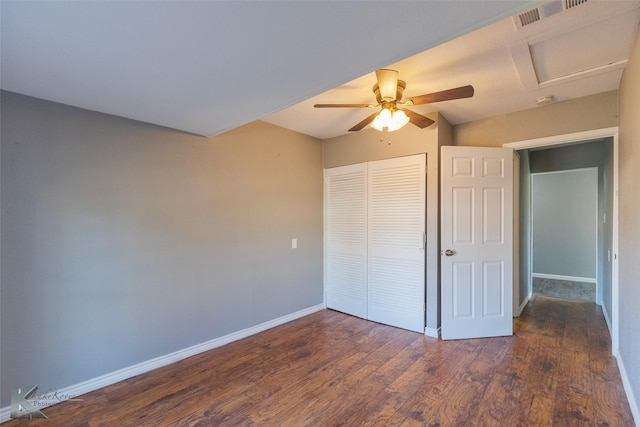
629, 231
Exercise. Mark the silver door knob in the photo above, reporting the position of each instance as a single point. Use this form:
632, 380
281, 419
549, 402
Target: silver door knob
449, 252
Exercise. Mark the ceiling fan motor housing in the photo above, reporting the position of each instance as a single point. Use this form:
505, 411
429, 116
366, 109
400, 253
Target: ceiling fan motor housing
399, 91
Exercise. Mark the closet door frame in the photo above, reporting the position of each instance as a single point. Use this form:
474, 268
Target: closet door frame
395, 264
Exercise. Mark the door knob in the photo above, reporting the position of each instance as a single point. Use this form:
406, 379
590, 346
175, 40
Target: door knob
449, 252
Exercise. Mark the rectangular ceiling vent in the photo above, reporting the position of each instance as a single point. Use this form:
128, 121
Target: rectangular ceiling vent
544, 11
529, 17
568, 4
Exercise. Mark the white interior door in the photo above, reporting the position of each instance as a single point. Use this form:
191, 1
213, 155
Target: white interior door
396, 256
346, 239
476, 242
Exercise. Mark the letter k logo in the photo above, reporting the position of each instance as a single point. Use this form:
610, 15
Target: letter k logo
21, 407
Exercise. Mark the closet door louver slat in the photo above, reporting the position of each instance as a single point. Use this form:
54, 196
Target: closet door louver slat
374, 228
346, 239
396, 260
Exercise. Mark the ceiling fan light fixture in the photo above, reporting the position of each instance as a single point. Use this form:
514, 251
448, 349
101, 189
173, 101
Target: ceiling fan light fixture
398, 120
382, 120
390, 120
389, 91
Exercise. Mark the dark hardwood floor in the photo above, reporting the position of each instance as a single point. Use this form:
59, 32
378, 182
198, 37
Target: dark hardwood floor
330, 369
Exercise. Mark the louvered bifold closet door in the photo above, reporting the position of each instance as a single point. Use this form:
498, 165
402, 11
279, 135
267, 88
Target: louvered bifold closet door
346, 239
396, 256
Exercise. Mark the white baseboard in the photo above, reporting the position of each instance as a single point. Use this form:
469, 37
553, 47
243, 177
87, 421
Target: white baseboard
628, 390
522, 306
5, 414
432, 332
559, 277
607, 319
140, 368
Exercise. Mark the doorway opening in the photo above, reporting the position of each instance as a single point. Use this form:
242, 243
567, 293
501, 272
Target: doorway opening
564, 227
590, 149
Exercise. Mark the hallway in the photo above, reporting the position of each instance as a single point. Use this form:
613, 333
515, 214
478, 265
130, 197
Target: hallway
582, 291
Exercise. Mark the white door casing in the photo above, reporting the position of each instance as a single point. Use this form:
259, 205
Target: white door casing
476, 242
558, 140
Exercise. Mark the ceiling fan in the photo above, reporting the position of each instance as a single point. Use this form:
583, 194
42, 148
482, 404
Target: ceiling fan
393, 115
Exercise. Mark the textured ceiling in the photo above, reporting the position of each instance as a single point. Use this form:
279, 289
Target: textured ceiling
209, 66
567, 55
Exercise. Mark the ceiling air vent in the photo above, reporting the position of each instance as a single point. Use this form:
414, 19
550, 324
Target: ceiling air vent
529, 17
568, 4
544, 11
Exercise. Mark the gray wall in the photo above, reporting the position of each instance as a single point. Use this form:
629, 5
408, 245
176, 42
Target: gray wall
573, 156
605, 232
370, 145
564, 223
629, 220
123, 241
577, 115
524, 222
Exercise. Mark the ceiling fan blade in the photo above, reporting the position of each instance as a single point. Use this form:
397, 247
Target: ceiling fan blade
363, 123
387, 83
418, 119
444, 95
345, 105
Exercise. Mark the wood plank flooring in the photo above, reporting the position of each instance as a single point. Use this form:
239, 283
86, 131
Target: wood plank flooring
331, 369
